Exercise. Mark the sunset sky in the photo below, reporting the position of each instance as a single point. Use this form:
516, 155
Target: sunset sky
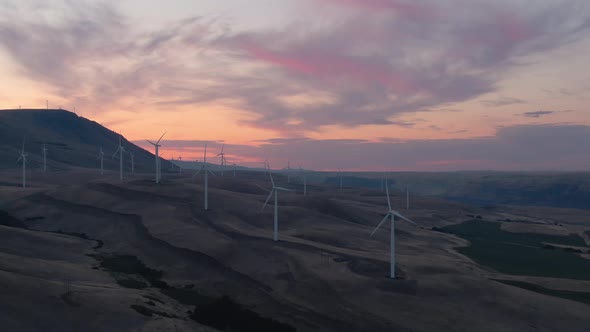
375, 85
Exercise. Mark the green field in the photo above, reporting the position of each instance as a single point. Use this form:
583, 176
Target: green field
583, 297
520, 253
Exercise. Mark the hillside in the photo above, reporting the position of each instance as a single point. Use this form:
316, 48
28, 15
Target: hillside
71, 141
81, 252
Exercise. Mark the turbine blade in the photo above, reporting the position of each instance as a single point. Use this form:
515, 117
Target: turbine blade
404, 218
271, 180
267, 199
152, 143
381, 223
210, 171
284, 189
161, 137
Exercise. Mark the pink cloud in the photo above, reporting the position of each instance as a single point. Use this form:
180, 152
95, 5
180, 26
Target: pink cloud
329, 66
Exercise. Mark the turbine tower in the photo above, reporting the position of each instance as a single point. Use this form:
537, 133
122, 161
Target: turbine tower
206, 171
101, 157
157, 146
391, 214
132, 156
304, 181
120, 150
44, 158
23, 157
275, 190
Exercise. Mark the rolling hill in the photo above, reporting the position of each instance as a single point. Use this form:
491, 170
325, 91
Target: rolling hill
72, 141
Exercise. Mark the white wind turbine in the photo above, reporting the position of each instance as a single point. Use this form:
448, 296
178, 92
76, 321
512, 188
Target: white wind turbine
157, 146
206, 171
179, 164
101, 157
266, 166
23, 157
391, 214
44, 158
222, 155
288, 169
120, 150
275, 190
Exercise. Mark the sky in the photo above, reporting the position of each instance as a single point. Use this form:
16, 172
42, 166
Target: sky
361, 85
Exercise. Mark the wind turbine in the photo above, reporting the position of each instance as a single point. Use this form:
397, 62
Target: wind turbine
206, 172
391, 214
275, 190
101, 157
157, 146
120, 150
179, 167
222, 158
23, 157
44, 158
266, 166
288, 168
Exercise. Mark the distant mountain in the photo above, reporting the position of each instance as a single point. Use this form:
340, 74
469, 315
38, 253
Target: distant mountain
71, 141
557, 189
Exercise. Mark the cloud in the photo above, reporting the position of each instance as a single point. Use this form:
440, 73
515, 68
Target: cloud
373, 61
537, 114
502, 101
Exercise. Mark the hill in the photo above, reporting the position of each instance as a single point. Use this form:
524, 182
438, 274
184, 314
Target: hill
93, 253
71, 141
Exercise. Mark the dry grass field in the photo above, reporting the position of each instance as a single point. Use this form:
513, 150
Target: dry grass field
100, 254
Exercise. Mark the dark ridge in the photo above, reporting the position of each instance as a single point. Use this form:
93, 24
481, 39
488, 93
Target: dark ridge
583, 297
150, 312
216, 312
226, 314
128, 264
6, 219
